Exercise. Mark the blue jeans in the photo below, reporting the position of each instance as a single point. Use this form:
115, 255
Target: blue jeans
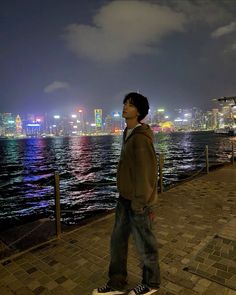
126, 222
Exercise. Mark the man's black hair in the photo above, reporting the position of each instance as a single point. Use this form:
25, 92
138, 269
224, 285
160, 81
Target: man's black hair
140, 102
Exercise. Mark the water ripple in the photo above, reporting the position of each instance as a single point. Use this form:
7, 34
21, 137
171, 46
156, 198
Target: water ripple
87, 168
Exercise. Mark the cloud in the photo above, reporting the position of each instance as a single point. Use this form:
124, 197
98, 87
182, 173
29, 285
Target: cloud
121, 29
234, 46
204, 12
225, 30
56, 85
230, 49
229, 43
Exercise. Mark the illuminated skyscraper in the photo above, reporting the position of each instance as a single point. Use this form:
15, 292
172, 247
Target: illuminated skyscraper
158, 115
117, 123
80, 120
18, 125
34, 125
8, 123
215, 118
1, 126
197, 119
98, 119
227, 115
227, 112
108, 124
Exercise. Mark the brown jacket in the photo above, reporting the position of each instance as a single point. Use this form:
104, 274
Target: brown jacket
137, 168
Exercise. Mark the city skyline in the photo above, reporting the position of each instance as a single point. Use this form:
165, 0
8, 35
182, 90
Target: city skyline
81, 122
57, 55
89, 113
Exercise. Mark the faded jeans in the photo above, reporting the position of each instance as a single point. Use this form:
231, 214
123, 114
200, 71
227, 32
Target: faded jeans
126, 222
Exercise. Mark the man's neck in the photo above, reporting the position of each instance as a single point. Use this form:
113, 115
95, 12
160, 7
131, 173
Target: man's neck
131, 123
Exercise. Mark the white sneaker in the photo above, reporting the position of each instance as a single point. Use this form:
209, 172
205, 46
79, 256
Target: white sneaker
142, 290
106, 291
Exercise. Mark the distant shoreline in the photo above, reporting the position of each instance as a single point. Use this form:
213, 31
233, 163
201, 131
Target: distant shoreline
96, 134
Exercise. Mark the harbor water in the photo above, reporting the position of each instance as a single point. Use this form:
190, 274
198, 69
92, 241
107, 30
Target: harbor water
87, 167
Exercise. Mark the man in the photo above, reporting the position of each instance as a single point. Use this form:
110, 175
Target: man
137, 186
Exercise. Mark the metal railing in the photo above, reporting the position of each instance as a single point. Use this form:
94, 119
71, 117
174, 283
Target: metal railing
161, 161
205, 168
203, 157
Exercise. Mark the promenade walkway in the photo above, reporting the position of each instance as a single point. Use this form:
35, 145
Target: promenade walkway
193, 259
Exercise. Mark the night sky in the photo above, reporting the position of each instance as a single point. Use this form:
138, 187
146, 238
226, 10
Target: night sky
56, 55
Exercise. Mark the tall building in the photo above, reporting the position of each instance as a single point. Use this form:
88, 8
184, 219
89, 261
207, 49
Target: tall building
108, 124
1, 126
198, 119
81, 120
18, 122
227, 115
183, 119
215, 118
59, 125
158, 116
227, 111
117, 123
34, 125
209, 120
8, 124
98, 119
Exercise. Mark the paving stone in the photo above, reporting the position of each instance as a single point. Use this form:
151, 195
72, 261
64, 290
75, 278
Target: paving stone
218, 279
199, 288
204, 282
215, 289
188, 217
24, 291
39, 290
69, 285
59, 290
218, 271
61, 280
188, 292
6, 291
51, 285
185, 261
220, 266
173, 287
232, 282
224, 274
232, 269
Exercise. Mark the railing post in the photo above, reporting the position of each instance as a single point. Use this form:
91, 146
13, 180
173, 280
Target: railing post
57, 204
232, 152
161, 164
207, 160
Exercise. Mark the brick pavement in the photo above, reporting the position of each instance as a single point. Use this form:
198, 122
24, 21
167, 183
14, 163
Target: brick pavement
216, 262
188, 218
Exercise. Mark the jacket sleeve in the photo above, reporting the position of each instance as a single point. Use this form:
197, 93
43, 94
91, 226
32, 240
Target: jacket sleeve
145, 172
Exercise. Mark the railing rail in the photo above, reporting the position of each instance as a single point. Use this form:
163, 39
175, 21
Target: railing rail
205, 160
232, 151
57, 204
205, 168
203, 157
161, 164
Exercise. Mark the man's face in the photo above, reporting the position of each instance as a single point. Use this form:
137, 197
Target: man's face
129, 110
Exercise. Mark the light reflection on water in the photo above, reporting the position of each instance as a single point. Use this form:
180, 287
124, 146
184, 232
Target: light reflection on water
87, 167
